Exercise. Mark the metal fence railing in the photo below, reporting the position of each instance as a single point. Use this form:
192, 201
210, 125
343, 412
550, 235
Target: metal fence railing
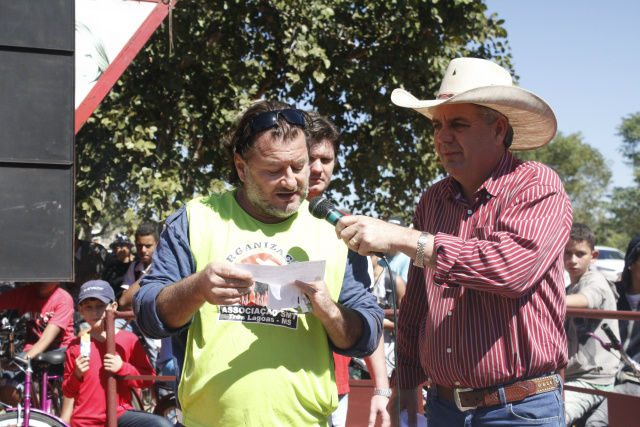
624, 409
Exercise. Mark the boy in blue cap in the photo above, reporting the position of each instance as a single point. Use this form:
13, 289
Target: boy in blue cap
88, 363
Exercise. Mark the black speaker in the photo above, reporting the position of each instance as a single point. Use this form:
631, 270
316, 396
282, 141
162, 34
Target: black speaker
36, 140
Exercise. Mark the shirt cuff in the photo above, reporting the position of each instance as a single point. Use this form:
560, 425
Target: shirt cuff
447, 249
144, 307
368, 342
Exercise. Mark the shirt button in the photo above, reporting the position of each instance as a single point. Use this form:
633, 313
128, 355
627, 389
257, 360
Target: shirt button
449, 313
448, 350
488, 196
469, 211
457, 383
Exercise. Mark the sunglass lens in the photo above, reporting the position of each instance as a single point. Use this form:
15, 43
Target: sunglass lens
270, 118
264, 121
293, 117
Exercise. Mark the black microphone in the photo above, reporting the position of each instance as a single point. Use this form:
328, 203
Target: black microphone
322, 208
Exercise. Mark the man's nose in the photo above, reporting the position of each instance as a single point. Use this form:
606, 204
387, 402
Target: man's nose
315, 166
444, 134
289, 178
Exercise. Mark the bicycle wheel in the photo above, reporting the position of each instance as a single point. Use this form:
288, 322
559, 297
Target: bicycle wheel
136, 402
36, 419
167, 408
56, 396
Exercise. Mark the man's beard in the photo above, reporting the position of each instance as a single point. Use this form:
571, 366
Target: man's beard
260, 201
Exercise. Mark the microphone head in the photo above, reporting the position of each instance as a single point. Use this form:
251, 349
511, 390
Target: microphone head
320, 207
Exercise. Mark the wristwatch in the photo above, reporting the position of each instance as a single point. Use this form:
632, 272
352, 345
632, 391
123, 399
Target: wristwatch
422, 243
386, 392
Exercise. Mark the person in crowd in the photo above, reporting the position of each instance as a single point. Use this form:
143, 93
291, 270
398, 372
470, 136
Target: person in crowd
115, 272
89, 262
147, 237
244, 364
324, 146
87, 365
629, 290
50, 327
386, 283
398, 262
483, 316
590, 365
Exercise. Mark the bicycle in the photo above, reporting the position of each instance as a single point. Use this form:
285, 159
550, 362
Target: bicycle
616, 345
42, 387
165, 406
28, 416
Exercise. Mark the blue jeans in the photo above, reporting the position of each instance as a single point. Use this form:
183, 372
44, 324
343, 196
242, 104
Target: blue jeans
545, 409
135, 418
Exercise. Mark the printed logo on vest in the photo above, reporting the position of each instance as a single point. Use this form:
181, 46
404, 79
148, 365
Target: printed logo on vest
253, 306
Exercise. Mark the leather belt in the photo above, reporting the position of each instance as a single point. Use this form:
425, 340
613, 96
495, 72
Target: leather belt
468, 398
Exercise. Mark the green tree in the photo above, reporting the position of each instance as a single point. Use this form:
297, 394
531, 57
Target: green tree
584, 173
156, 141
629, 130
625, 201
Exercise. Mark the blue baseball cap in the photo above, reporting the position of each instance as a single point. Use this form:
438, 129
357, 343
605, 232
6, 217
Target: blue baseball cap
97, 289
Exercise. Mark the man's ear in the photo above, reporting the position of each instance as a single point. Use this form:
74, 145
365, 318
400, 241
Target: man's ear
594, 255
113, 306
241, 166
501, 126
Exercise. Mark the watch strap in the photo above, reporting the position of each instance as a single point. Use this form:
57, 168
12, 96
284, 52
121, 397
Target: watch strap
422, 243
386, 392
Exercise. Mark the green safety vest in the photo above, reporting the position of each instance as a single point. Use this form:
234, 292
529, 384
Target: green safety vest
246, 365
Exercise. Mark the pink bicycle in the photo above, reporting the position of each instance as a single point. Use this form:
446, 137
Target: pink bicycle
49, 397
42, 384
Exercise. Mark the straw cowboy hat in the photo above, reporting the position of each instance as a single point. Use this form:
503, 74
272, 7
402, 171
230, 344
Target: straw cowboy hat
482, 82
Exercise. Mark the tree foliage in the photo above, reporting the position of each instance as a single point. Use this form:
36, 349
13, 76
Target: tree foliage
625, 202
629, 130
155, 142
584, 173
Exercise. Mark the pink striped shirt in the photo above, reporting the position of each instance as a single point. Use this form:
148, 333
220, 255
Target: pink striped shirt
493, 310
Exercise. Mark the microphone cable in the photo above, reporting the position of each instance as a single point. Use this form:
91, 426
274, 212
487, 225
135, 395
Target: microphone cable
394, 303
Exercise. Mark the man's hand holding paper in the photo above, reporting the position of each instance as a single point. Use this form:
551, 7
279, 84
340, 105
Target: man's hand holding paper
280, 280
223, 284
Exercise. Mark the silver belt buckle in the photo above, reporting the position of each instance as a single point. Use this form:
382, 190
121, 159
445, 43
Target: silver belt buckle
456, 397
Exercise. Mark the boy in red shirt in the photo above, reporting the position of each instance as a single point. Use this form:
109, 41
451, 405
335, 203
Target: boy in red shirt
85, 371
50, 326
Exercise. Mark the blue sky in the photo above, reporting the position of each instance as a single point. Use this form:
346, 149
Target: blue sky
583, 58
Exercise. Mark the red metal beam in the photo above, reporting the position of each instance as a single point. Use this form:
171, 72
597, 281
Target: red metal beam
122, 61
112, 397
602, 314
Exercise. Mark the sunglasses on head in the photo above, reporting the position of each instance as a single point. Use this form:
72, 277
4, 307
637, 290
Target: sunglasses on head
269, 119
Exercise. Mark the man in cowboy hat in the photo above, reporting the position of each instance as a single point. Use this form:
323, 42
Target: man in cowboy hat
485, 304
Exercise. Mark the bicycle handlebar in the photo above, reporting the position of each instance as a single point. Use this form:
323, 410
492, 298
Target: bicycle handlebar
615, 342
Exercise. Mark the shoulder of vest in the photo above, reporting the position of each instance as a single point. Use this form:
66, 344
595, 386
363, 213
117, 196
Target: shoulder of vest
212, 201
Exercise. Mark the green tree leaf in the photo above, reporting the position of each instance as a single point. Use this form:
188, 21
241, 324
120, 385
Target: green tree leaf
169, 112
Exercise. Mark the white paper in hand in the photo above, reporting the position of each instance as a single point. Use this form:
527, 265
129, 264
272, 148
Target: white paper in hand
282, 293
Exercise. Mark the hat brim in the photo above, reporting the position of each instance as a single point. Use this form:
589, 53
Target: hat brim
102, 298
129, 245
532, 119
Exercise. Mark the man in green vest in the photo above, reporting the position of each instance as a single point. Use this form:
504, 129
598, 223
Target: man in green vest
241, 363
